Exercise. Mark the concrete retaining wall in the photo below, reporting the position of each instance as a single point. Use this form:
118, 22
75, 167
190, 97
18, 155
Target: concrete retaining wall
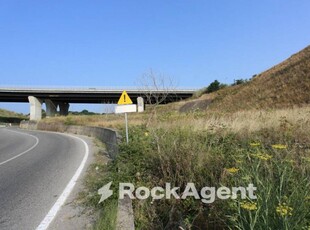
108, 136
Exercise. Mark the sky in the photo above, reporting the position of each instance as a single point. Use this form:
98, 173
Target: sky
113, 43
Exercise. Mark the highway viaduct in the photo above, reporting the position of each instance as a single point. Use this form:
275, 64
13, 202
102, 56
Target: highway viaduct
61, 98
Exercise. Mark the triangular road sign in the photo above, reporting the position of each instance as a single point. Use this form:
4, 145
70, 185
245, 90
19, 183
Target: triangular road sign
124, 99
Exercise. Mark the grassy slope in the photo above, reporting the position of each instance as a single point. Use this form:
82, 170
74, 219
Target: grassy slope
284, 85
10, 117
7, 113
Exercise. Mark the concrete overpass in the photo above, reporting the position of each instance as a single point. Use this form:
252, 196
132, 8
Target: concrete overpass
61, 98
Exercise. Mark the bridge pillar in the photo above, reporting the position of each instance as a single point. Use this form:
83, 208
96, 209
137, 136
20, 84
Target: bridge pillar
140, 104
51, 108
35, 108
63, 108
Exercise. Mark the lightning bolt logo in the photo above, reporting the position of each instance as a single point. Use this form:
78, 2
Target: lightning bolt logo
105, 192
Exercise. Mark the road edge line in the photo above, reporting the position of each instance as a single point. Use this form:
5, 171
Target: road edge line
26, 151
66, 192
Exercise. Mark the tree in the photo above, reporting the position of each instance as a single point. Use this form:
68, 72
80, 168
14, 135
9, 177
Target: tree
239, 81
156, 88
84, 112
214, 86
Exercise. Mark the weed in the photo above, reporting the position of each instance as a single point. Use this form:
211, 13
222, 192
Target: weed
182, 155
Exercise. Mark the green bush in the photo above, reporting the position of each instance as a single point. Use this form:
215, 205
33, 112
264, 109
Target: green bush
214, 86
240, 81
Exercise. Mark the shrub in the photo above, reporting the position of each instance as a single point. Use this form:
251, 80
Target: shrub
181, 155
239, 81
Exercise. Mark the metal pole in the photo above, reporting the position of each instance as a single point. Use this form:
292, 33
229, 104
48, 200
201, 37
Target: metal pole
126, 121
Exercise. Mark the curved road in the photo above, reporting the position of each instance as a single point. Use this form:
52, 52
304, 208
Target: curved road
35, 170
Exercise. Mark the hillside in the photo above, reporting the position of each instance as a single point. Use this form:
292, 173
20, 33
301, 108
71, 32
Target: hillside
215, 148
7, 113
7, 116
284, 85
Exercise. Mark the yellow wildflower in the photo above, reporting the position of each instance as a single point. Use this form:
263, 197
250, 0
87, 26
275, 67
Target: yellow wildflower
232, 170
250, 206
284, 210
279, 146
254, 144
146, 134
262, 156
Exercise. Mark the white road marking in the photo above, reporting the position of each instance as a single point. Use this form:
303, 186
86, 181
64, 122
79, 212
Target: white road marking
20, 154
62, 198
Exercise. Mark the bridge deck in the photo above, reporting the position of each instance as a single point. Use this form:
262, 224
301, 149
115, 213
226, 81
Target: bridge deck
90, 95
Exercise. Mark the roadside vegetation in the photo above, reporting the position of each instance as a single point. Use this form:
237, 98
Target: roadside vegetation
267, 148
253, 132
96, 177
275, 159
11, 117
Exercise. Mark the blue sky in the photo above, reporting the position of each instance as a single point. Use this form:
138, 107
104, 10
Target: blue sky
113, 43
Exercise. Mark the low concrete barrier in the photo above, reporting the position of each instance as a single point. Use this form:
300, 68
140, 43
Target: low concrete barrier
108, 136
125, 216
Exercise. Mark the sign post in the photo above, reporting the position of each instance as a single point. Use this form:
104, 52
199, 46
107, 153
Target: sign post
125, 105
126, 123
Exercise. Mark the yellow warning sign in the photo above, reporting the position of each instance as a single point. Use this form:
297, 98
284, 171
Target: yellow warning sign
124, 99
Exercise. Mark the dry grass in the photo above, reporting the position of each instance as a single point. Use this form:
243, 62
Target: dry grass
177, 153
284, 85
108, 120
7, 113
242, 122
250, 121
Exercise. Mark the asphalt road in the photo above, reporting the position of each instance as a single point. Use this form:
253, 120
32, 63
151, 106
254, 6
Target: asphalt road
35, 169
